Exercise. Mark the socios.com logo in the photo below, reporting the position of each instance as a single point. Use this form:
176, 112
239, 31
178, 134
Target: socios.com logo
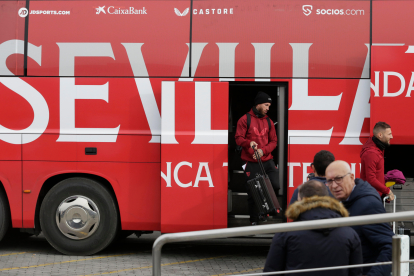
307, 9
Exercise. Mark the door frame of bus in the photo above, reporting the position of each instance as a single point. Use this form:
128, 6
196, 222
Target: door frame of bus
281, 128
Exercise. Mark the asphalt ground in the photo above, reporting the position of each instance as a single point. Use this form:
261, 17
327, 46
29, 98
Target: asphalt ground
132, 256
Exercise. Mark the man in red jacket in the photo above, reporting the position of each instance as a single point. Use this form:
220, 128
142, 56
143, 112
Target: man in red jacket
260, 134
372, 158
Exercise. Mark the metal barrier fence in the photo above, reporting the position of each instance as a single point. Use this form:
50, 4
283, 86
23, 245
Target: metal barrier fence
285, 227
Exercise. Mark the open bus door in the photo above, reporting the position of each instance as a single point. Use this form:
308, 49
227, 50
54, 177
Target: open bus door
194, 141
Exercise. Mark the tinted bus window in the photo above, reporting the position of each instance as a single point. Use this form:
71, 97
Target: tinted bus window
119, 38
12, 22
317, 39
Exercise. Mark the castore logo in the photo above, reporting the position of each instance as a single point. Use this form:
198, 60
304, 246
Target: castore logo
178, 13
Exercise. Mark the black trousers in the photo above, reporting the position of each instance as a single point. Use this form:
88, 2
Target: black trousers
250, 171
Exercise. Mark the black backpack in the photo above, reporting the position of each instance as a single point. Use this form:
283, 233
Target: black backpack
240, 148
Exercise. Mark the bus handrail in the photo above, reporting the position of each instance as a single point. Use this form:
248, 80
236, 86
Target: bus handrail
270, 229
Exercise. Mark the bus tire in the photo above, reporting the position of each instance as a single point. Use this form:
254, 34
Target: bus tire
4, 215
79, 216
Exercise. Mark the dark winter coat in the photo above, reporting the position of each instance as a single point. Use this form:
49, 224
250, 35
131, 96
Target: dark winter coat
376, 239
372, 166
259, 132
315, 248
294, 197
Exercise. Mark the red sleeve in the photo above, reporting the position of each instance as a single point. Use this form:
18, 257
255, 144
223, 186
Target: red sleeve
241, 132
272, 140
370, 165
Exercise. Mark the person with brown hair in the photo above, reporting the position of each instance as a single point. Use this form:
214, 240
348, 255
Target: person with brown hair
256, 131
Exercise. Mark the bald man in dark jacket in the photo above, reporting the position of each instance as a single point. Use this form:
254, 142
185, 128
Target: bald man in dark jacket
360, 198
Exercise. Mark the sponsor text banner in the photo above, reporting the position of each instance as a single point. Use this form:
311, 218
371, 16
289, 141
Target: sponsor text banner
280, 38
119, 38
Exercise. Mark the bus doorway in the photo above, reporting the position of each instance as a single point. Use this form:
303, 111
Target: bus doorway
241, 100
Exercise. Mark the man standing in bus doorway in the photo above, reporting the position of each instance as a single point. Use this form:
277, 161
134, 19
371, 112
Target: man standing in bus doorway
372, 159
256, 130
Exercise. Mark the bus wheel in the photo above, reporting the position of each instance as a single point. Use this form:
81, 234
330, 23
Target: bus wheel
4, 215
78, 216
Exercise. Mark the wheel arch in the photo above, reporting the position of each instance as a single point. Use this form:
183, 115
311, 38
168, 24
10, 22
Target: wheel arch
53, 180
5, 187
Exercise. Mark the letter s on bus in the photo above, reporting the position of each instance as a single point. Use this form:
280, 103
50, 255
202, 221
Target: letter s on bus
31, 95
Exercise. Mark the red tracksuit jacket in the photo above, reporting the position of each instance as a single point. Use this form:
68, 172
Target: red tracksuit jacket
258, 132
372, 167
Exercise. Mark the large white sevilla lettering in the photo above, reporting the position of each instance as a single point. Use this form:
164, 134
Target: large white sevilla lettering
31, 95
301, 100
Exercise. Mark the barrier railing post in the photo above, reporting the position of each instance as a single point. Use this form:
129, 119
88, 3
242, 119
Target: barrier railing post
156, 257
396, 255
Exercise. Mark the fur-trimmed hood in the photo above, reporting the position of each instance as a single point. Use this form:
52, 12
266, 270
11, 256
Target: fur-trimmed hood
297, 210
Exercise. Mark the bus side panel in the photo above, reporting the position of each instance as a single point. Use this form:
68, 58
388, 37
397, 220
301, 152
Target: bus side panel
301, 157
136, 186
12, 22
118, 126
269, 38
339, 125
392, 100
127, 148
392, 22
16, 114
35, 173
11, 178
152, 42
194, 156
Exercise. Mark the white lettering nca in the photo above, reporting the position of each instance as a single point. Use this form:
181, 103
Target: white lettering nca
167, 177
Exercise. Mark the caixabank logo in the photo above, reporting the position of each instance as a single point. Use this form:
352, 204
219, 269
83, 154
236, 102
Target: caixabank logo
119, 10
307, 10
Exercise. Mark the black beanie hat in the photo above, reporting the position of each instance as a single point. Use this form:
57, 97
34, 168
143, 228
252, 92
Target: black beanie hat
262, 97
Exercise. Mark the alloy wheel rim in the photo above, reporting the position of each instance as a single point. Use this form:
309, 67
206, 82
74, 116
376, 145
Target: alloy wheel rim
77, 217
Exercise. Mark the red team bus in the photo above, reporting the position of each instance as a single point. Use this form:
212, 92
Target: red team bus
119, 116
